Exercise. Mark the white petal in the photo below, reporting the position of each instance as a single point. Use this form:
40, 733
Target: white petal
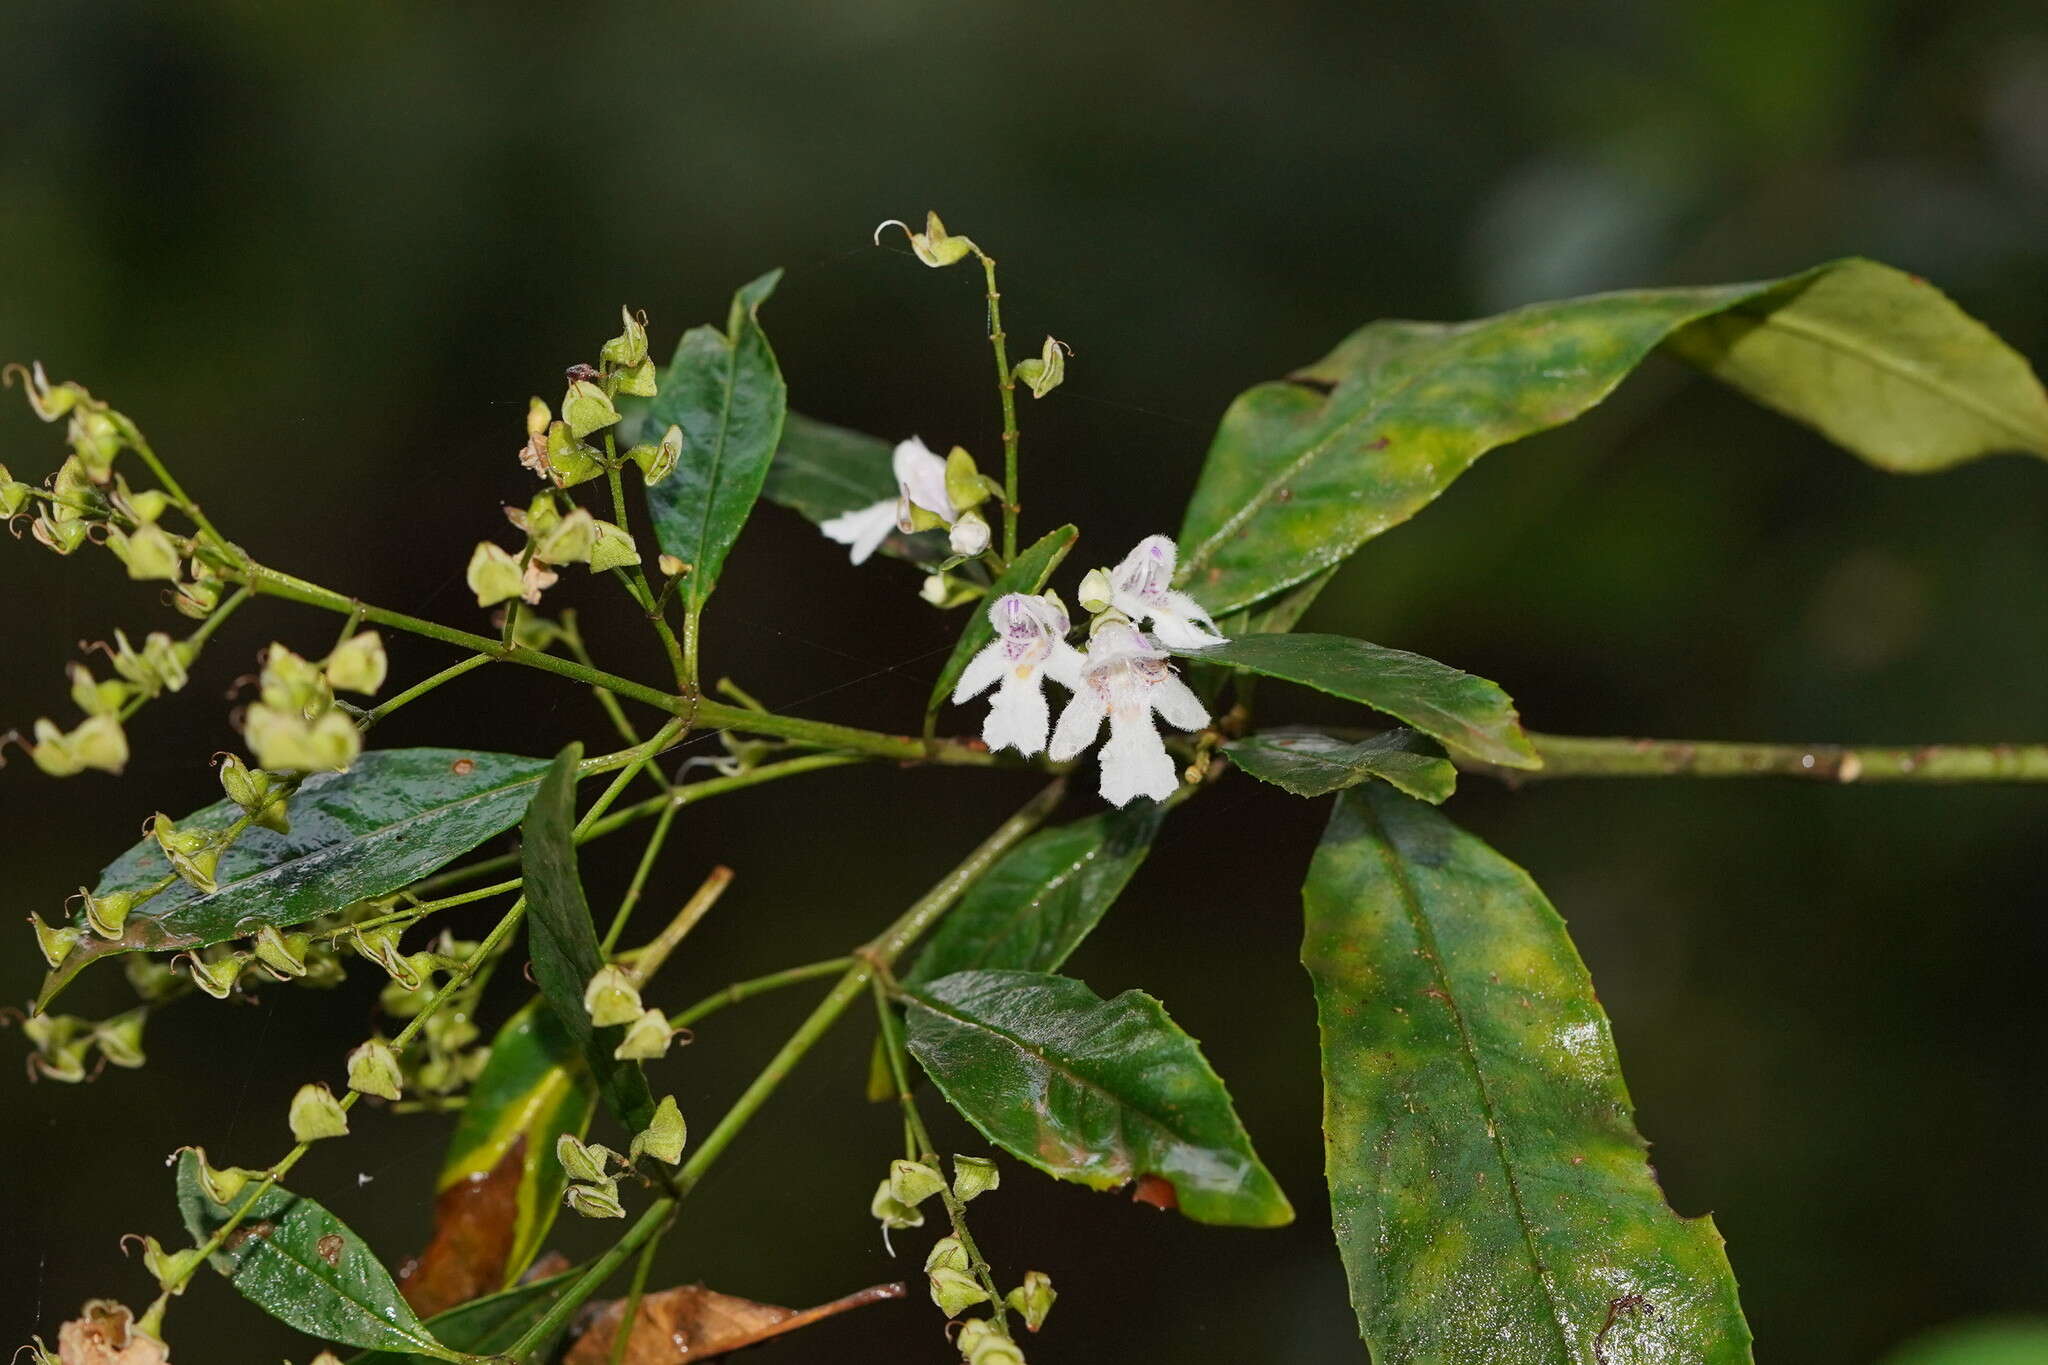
1182, 605
864, 528
922, 477
1177, 702
1063, 665
1017, 717
1135, 762
981, 672
1079, 724
1178, 632
969, 536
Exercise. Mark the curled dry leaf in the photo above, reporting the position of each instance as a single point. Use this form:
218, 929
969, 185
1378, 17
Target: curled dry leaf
104, 1334
474, 1224
694, 1323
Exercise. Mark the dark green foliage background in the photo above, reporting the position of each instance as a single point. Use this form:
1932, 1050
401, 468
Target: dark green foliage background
324, 256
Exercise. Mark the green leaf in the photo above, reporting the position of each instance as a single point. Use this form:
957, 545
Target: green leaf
299, 1263
1468, 714
1487, 1184
1027, 573
563, 942
1090, 1090
394, 817
490, 1324
1881, 362
1301, 473
534, 1088
1033, 908
1311, 764
2012, 1340
821, 471
726, 392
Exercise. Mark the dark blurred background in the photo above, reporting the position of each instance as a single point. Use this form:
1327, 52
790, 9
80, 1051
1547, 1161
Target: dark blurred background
325, 254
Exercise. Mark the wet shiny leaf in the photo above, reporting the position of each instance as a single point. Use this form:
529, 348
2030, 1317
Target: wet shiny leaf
694, 1323
299, 1263
563, 942
1035, 906
394, 817
1090, 1090
1311, 764
1488, 1187
489, 1324
1466, 713
1027, 573
725, 390
1304, 471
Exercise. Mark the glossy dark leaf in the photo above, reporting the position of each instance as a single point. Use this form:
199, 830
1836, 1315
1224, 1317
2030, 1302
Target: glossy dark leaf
394, 817
534, 1088
693, 1323
299, 1263
1048, 893
1027, 573
1090, 1090
821, 471
489, 1324
1311, 764
1466, 713
1881, 362
1303, 472
563, 942
725, 390
1488, 1187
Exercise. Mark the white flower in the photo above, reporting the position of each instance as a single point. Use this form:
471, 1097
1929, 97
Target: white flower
1140, 589
1126, 679
969, 536
1030, 646
920, 482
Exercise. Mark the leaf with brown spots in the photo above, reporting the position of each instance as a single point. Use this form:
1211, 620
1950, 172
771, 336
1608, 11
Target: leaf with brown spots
693, 1323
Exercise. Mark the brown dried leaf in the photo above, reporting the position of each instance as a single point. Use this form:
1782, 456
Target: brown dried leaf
475, 1221
693, 1323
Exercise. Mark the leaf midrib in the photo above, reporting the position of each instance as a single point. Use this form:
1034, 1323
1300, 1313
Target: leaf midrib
1425, 932
698, 592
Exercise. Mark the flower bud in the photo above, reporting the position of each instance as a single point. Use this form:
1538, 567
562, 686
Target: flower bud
892, 1212
969, 535
657, 462
97, 742
316, 1114
148, 551
380, 945
358, 664
1096, 591
216, 976
611, 998
973, 1175
585, 409
1043, 374
913, 1182
569, 461
199, 595
1032, 1299
945, 592
61, 1042
955, 1291
671, 566
119, 1039
172, 1270
96, 697
149, 505
105, 915
194, 854
663, 1140
14, 497
222, 1183
289, 743
596, 1201
934, 246
537, 417
629, 347
284, 957
259, 794
583, 1160
95, 439
965, 484
947, 1253
568, 541
647, 1038
60, 530
493, 574
638, 380
373, 1070
55, 944
612, 549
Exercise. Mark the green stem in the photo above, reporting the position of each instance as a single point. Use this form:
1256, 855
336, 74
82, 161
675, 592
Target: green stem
422, 687
198, 638
1006, 389
414, 913
692, 792
1581, 756
635, 579
760, 985
132, 434
647, 960
651, 1225
630, 1319
634, 889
